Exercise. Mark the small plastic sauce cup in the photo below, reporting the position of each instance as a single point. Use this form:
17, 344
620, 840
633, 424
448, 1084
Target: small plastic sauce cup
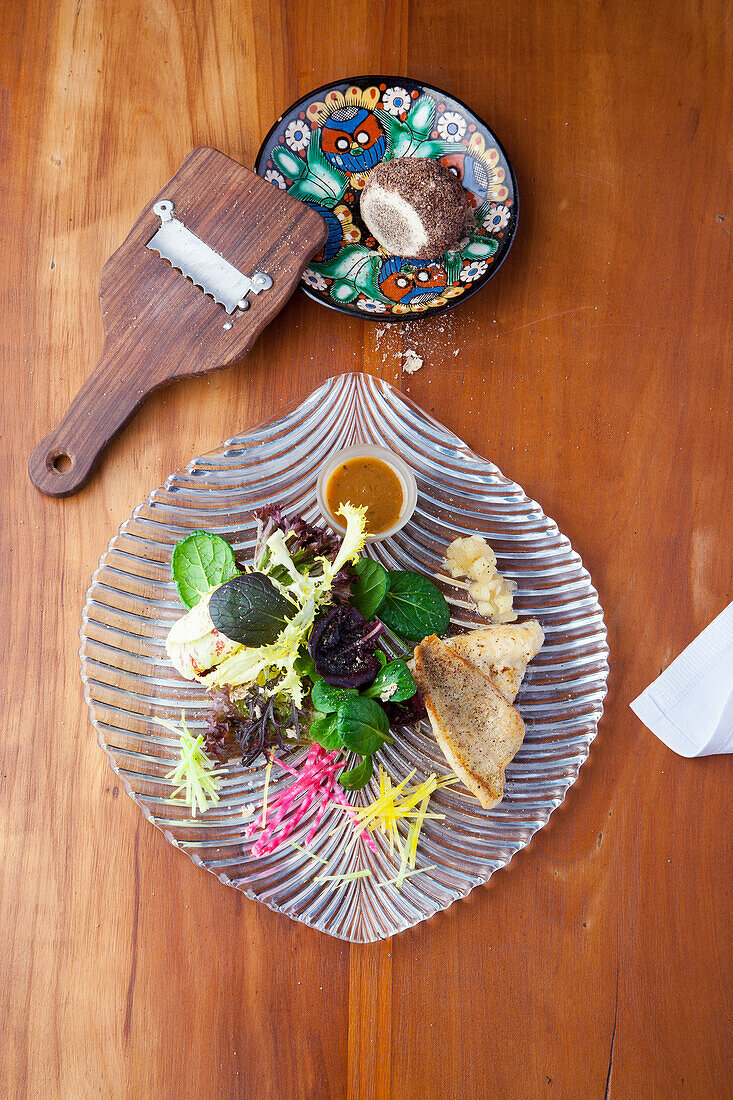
398, 465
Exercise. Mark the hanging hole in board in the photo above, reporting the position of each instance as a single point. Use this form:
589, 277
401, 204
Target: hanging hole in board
61, 462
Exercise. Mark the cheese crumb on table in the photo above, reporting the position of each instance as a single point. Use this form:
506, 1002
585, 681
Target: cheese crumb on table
411, 361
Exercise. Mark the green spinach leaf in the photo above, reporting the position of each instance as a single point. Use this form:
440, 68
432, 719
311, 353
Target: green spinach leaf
323, 730
327, 699
370, 586
250, 610
305, 665
200, 562
356, 778
362, 725
394, 684
413, 606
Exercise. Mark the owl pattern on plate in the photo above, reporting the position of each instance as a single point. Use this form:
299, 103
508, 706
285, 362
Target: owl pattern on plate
408, 280
352, 139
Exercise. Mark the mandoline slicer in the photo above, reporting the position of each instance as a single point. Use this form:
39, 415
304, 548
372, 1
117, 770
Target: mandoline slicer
241, 244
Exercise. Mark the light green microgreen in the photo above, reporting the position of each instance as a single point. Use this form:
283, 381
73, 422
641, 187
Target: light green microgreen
305, 852
195, 773
344, 878
397, 881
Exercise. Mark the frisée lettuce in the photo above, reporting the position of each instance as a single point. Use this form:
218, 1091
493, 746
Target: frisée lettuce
199, 651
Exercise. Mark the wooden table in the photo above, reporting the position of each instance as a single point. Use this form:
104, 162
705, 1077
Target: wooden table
595, 370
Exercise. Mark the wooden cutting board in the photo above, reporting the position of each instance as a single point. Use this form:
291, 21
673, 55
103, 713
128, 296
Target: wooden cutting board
159, 326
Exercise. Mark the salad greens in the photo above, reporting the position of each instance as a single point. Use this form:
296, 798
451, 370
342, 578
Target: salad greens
273, 663
254, 723
324, 731
408, 603
291, 640
362, 725
394, 684
201, 562
326, 698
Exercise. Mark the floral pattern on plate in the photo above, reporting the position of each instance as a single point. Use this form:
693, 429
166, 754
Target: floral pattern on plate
322, 151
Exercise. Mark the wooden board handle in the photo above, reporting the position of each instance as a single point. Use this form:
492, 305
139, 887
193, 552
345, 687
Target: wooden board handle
133, 365
66, 458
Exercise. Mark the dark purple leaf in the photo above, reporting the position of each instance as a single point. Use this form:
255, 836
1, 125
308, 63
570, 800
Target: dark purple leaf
306, 541
408, 713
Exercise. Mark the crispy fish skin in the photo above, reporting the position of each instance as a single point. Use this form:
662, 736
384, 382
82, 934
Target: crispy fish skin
502, 652
477, 729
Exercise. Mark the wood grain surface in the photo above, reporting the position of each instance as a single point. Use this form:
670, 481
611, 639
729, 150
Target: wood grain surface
595, 370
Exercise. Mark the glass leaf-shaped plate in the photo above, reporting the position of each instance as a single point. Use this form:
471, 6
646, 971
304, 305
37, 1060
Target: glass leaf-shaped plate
128, 681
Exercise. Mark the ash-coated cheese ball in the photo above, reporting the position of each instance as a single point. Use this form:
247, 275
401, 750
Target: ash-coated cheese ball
414, 207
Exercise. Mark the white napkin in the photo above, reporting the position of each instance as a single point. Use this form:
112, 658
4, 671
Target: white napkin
690, 706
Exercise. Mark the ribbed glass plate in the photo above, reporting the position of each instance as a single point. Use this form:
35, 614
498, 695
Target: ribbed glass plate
132, 602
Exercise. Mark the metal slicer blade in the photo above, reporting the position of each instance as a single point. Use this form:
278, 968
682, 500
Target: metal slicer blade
201, 264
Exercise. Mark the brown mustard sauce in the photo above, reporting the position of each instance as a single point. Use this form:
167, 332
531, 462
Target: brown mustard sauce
371, 482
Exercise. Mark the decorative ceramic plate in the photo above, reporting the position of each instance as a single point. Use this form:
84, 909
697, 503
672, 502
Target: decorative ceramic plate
322, 150
128, 681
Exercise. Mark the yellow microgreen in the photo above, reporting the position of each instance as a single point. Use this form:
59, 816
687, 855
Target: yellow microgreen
408, 874
412, 833
416, 827
268, 769
397, 803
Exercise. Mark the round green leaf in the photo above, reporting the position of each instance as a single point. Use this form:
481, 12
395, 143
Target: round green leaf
201, 562
362, 725
323, 730
250, 610
327, 699
394, 682
413, 606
